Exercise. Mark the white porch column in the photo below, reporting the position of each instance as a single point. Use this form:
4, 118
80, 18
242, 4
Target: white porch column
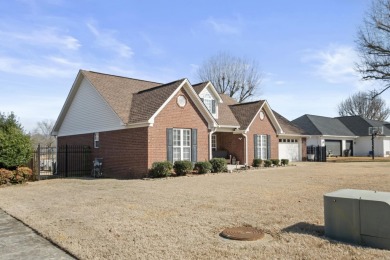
246, 148
212, 131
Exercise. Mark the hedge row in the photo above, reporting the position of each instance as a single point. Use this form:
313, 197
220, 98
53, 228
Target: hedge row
269, 163
181, 168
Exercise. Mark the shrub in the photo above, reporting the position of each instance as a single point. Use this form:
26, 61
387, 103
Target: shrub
256, 162
284, 162
275, 162
203, 167
267, 163
218, 165
6, 176
182, 167
25, 172
161, 169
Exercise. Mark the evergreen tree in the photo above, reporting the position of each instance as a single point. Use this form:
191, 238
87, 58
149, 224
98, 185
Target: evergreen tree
15, 145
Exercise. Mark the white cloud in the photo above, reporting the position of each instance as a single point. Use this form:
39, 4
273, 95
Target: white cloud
53, 67
336, 65
43, 38
106, 40
224, 26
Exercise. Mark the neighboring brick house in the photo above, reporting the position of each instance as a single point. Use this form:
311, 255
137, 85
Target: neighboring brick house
132, 123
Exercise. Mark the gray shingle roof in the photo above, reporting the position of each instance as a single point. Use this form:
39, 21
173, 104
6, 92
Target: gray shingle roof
359, 125
320, 125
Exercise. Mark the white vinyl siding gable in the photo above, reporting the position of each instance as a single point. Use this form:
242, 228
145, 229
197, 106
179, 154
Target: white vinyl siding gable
89, 113
209, 100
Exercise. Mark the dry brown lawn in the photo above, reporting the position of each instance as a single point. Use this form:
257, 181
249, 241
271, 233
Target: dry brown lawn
181, 218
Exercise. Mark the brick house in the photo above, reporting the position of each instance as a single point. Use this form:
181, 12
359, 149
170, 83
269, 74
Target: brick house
132, 123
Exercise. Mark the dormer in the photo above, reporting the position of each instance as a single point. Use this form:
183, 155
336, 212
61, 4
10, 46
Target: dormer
209, 97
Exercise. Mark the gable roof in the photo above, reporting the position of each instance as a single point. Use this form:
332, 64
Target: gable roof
359, 125
288, 127
245, 112
200, 86
320, 125
146, 102
137, 102
118, 91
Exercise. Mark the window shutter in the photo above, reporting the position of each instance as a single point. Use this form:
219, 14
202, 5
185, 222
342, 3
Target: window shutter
170, 144
213, 106
256, 141
268, 147
194, 145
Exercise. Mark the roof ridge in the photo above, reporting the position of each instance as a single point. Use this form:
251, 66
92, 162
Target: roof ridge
160, 86
200, 83
101, 73
247, 103
314, 125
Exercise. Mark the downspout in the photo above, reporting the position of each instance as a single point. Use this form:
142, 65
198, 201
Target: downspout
246, 148
210, 148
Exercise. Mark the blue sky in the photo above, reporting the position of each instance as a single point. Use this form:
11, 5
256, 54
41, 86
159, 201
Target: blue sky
305, 48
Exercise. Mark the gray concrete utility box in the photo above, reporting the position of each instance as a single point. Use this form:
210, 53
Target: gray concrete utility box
358, 216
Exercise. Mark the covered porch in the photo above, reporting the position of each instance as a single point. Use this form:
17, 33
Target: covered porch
229, 145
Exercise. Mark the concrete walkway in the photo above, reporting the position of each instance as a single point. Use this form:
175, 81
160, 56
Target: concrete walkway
18, 241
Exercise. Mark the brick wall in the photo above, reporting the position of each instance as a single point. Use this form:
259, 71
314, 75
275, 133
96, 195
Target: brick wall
231, 143
173, 116
124, 152
262, 127
304, 149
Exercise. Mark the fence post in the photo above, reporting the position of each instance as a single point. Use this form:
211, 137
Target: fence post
66, 160
38, 154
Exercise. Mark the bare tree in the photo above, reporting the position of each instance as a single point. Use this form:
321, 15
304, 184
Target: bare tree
373, 44
237, 77
42, 134
362, 104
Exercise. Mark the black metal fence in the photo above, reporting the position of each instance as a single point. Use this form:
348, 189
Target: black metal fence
316, 153
63, 161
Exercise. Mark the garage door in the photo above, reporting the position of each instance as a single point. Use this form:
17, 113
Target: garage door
289, 149
333, 147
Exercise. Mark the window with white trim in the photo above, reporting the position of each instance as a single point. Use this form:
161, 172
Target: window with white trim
214, 142
262, 146
209, 102
96, 140
181, 144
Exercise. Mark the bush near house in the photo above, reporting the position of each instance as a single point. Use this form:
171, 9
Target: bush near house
284, 162
218, 165
203, 167
256, 162
5, 176
275, 162
267, 163
161, 169
18, 176
182, 167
